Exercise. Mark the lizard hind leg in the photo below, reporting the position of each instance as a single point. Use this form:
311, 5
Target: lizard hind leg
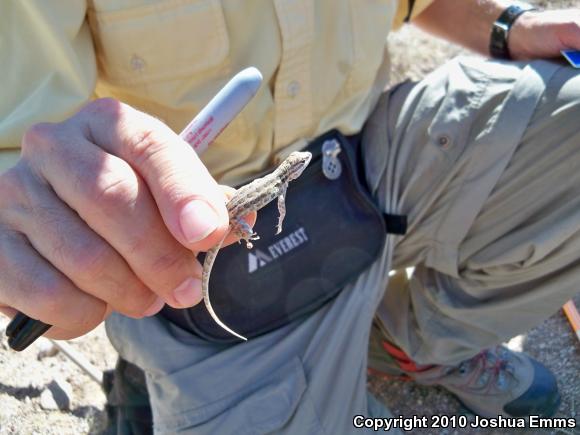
244, 231
281, 208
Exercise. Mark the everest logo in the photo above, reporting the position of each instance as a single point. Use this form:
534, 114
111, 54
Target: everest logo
258, 258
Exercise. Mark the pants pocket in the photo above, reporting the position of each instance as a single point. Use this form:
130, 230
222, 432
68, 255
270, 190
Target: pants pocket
254, 405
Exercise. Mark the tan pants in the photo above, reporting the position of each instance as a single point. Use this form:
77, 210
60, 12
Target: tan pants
492, 190
482, 157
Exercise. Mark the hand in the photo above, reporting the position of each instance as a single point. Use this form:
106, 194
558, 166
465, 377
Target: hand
543, 34
104, 211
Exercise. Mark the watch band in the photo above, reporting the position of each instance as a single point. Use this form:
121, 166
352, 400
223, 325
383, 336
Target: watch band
498, 43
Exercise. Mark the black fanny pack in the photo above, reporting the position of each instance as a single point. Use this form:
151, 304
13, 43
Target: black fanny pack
331, 233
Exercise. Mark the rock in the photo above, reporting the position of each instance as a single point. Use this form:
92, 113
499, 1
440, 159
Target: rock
57, 395
45, 348
47, 401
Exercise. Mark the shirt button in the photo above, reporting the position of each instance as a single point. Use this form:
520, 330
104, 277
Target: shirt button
293, 88
137, 63
444, 141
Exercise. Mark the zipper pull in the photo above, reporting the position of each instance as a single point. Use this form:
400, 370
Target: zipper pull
331, 166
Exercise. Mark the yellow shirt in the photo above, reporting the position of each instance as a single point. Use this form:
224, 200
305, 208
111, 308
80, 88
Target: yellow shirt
324, 65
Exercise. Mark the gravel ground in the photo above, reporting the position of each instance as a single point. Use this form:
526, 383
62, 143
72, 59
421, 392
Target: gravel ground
24, 377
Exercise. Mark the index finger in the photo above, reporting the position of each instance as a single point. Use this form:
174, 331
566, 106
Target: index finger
190, 201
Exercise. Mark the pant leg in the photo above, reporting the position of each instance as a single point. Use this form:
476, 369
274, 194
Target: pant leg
496, 245
308, 377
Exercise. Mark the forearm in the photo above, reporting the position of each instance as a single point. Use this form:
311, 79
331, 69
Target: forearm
465, 22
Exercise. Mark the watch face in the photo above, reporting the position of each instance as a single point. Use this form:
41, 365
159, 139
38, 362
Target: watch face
498, 42
502, 28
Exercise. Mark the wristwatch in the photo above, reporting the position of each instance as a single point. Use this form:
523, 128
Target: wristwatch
498, 43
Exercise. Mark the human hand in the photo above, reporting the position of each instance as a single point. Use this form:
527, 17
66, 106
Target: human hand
544, 34
104, 211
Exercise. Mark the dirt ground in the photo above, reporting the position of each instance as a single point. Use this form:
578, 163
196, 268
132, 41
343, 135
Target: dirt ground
25, 376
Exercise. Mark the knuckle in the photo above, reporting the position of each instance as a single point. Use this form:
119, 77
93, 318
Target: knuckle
113, 190
48, 291
44, 142
9, 242
93, 260
11, 187
105, 106
144, 146
48, 215
20, 206
10, 179
38, 135
43, 139
137, 135
139, 244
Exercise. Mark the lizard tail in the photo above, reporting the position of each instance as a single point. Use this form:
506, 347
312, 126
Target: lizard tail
207, 266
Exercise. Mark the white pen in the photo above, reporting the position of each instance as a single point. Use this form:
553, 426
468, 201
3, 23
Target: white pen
222, 109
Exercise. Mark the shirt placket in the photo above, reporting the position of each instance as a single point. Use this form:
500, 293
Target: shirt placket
293, 86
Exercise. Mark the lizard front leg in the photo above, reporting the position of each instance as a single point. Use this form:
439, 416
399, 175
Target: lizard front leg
281, 207
244, 231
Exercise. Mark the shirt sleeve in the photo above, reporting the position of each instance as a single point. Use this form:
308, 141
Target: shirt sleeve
48, 66
409, 9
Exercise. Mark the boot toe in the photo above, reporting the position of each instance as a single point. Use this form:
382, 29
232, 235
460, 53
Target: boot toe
541, 398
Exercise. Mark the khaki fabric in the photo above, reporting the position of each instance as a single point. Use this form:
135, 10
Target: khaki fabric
461, 153
495, 240
324, 65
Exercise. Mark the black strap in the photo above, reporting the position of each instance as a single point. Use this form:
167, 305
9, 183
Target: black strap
410, 13
498, 42
396, 224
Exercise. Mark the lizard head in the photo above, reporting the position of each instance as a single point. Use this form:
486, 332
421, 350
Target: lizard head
294, 165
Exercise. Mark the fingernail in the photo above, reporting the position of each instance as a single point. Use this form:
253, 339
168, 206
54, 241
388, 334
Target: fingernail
155, 307
198, 220
188, 293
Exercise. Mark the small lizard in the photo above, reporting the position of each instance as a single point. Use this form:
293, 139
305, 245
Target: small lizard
252, 197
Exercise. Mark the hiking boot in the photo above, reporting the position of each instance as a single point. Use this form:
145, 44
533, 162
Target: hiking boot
494, 382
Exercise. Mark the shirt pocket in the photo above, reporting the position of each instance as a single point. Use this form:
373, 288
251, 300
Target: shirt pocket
253, 405
157, 41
